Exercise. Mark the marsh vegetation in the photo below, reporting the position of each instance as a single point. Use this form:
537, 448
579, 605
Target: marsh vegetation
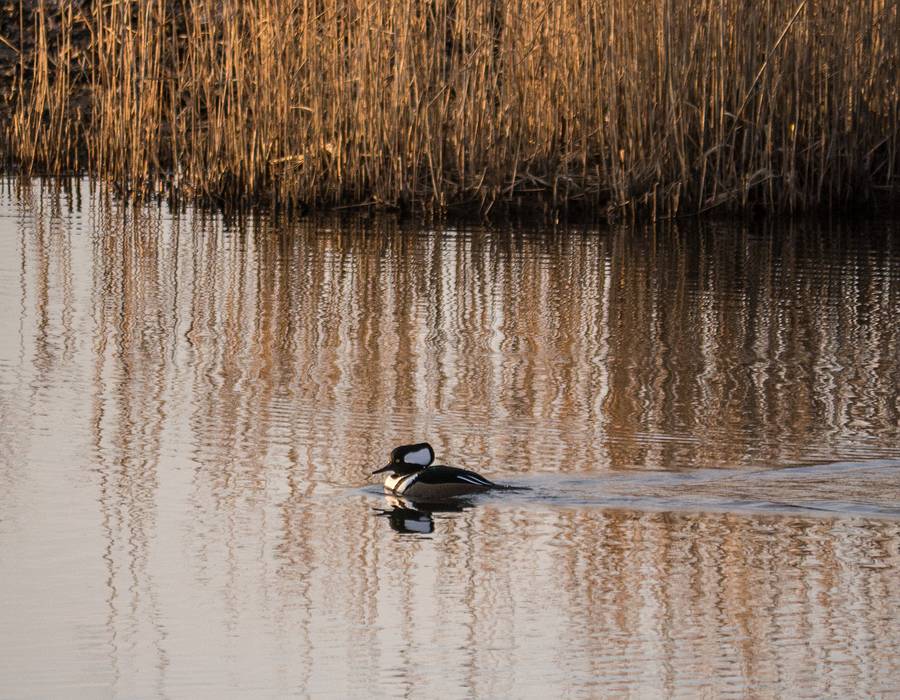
612, 106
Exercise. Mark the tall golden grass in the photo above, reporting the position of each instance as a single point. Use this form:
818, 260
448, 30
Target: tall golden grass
612, 105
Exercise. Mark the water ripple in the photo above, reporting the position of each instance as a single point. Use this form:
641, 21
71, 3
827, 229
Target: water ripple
190, 408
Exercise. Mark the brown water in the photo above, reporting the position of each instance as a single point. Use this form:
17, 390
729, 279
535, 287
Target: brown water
707, 417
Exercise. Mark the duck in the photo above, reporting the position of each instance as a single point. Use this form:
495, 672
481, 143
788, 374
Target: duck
413, 475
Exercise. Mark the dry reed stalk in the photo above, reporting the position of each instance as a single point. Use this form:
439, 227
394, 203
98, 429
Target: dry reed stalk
610, 104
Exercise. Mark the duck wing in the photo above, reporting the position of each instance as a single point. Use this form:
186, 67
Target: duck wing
439, 474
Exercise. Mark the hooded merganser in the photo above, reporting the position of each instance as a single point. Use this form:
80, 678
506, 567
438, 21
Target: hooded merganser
411, 474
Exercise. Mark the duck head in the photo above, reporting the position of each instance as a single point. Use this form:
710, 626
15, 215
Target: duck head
407, 459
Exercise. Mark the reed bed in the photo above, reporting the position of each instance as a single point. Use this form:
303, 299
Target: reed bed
615, 106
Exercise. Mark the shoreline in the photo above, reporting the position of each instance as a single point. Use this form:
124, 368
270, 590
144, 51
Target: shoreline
502, 215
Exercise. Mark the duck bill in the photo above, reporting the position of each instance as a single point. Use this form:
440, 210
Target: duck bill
383, 469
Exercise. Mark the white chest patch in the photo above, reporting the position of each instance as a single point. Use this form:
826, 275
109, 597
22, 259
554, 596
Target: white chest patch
399, 484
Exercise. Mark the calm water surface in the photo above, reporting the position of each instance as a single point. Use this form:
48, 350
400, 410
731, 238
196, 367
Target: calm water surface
708, 419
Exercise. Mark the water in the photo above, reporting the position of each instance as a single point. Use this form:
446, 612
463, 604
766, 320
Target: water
707, 418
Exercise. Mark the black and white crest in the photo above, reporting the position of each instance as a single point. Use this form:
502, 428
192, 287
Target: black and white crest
407, 459
420, 454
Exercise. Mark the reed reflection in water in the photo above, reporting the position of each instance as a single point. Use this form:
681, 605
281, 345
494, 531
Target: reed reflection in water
190, 408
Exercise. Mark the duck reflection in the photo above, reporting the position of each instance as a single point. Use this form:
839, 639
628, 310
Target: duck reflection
413, 517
